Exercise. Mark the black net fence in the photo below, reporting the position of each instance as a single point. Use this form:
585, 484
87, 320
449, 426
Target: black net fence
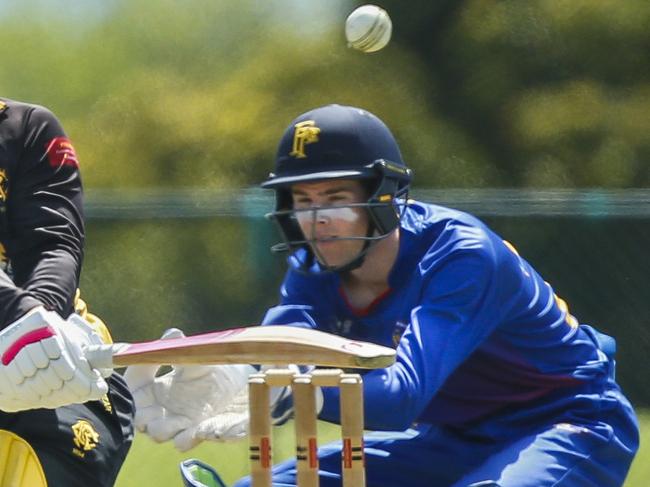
200, 259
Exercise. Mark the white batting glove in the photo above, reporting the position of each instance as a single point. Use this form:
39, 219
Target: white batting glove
42, 363
82, 332
190, 403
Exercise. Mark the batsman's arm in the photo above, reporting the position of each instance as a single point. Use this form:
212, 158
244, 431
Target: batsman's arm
43, 232
44, 217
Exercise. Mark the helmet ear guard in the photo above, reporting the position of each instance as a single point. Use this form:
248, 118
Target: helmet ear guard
287, 223
393, 183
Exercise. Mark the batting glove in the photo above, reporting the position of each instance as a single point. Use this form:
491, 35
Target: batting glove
42, 362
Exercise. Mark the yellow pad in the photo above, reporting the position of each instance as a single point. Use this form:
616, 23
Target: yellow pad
19, 465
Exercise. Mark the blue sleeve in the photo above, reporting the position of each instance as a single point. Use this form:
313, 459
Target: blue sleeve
456, 313
290, 314
303, 302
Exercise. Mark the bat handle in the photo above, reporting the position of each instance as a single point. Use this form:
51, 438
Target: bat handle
101, 356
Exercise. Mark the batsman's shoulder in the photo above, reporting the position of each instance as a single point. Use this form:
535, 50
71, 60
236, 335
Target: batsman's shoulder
20, 111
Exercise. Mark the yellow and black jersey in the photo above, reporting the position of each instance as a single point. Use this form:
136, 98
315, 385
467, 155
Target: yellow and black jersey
41, 213
42, 238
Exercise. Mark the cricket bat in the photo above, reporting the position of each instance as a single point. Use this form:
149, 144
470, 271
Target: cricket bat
274, 344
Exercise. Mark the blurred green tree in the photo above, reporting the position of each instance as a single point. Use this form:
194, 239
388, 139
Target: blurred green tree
553, 93
158, 96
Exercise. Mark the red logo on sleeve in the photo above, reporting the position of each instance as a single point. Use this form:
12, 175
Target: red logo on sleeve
61, 153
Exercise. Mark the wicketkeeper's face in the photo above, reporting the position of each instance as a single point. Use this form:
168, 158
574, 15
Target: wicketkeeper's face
332, 217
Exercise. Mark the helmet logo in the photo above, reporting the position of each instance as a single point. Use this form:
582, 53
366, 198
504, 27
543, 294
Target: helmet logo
306, 133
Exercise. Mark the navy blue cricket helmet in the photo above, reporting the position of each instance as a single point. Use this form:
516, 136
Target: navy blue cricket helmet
339, 142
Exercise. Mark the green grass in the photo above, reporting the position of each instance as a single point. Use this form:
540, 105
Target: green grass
149, 463
640, 472
156, 464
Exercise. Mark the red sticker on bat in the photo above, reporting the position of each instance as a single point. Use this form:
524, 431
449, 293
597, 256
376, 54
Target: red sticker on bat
60, 152
352, 346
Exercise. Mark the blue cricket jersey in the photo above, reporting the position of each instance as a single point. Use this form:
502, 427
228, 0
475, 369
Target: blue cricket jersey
479, 334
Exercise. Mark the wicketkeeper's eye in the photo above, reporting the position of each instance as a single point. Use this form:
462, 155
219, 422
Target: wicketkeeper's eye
313, 215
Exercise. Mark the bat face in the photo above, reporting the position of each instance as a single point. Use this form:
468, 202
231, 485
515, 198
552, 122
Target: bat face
277, 344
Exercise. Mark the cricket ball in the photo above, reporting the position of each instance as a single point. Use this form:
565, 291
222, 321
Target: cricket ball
368, 28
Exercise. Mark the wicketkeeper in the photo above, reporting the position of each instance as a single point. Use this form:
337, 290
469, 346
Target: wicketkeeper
496, 383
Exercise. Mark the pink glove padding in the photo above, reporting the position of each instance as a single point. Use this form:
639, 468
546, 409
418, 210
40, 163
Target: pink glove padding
42, 363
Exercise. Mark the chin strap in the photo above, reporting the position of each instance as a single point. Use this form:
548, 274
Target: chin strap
361, 256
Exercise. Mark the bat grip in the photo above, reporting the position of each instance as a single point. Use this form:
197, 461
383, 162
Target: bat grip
101, 356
